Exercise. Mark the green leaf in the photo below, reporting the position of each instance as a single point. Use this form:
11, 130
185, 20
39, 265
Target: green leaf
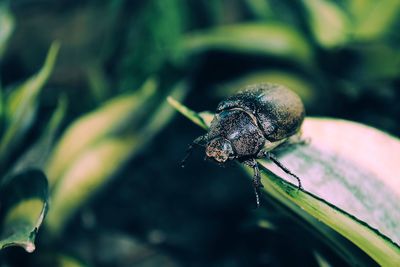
272, 39
94, 164
297, 83
24, 205
260, 9
159, 26
62, 260
328, 22
350, 175
36, 156
7, 23
90, 170
373, 19
189, 113
377, 62
111, 118
22, 104
1, 110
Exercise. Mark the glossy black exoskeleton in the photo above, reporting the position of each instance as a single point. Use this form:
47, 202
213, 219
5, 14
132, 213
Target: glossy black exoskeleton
250, 124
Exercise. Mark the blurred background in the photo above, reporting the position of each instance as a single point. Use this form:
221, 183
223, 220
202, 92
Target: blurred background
341, 57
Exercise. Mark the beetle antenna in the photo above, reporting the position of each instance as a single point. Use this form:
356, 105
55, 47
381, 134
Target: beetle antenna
198, 141
188, 153
280, 165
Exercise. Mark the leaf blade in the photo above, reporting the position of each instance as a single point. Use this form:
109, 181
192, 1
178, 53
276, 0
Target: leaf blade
25, 199
91, 168
267, 39
22, 104
103, 122
7, 22
377, 245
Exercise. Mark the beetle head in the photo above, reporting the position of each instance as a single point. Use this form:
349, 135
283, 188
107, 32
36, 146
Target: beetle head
219, 149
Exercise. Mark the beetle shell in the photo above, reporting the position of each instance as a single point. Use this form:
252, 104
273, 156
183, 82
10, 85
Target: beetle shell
240, 129
279, 112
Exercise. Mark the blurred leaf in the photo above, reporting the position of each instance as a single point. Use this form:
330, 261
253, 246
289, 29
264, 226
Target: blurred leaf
123, 249
328, 22
1, 110
89, 171
98, 83
350, 174
115, 115
56, 258
373, 19
273, 39
184, 110
22, 104
377, 62
260, 8
7, 26
322, 262
94, 165
215, 12
24, 206
162, 115
26, 94
152, 40
37, 155
297, 83
68, 261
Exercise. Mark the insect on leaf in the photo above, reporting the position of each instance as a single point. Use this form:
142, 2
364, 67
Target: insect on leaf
350, 177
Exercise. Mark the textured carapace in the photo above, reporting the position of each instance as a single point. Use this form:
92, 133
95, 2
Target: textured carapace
278, 110
249, 124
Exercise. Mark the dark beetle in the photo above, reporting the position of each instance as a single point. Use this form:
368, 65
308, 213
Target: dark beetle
251, 123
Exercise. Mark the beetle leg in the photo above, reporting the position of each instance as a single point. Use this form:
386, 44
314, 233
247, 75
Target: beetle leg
283, 168
256, 178
198, 141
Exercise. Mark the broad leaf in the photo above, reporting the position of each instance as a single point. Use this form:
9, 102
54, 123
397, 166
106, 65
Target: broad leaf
373, 19
350, 175
297, 83
94, 164
329, 24
23, 207
22, 104
36, 156
276, 40
24, 190
88, 130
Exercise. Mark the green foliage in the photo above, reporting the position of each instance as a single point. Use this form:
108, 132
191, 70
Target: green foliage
80, 165
361, 213
341, 57
21, 106
159, 27
24, 189
262, 39
7, 23
25, 199
328, 22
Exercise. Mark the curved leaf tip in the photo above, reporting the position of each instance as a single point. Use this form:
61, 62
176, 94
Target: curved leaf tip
25, 200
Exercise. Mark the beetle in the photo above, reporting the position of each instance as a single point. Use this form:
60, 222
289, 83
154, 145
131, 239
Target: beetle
250, 124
